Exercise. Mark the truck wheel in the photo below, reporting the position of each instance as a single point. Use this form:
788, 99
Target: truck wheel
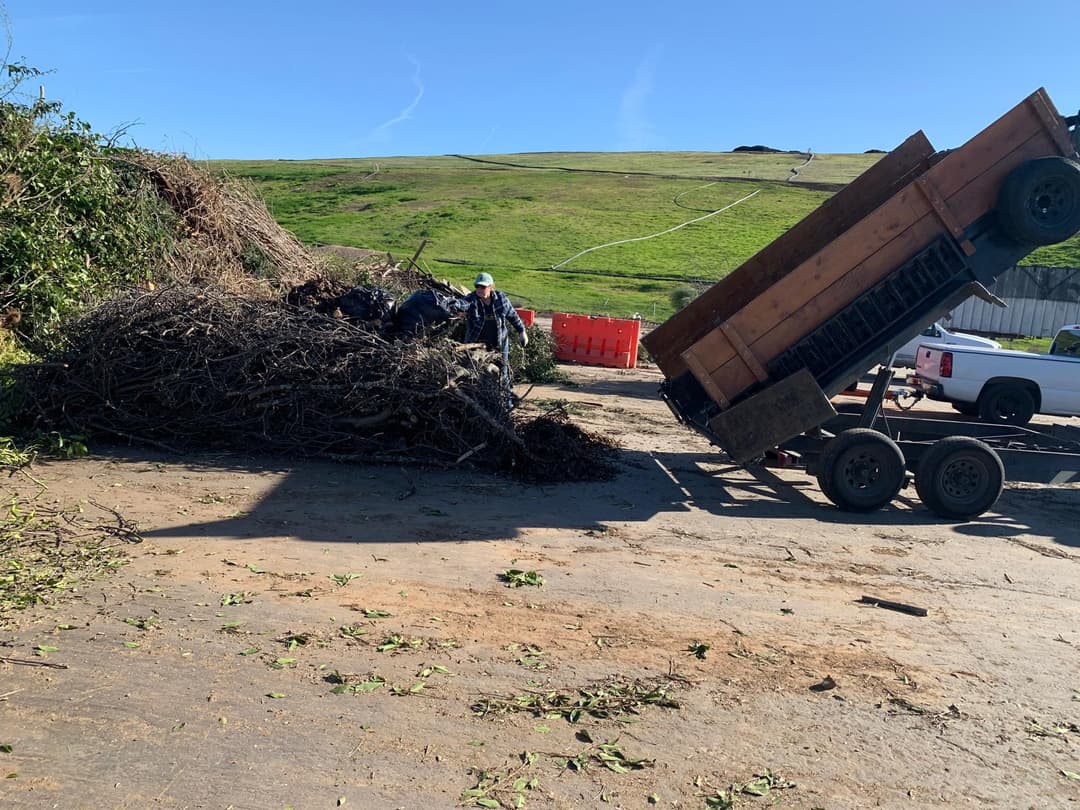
861, 470
1039, 202
959, 478
1008, 404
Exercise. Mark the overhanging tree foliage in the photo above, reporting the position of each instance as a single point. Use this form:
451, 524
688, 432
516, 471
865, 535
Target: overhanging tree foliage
76, 218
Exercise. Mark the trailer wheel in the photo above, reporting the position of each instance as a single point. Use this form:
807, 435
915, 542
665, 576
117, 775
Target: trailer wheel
861, 470
1007, 404
1039, 202
959, 478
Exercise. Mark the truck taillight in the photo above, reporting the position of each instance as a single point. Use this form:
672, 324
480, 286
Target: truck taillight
945, 369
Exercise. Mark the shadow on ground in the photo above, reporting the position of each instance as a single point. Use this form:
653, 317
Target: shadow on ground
354, 503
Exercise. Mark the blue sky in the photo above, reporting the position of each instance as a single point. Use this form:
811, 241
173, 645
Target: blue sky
328, 78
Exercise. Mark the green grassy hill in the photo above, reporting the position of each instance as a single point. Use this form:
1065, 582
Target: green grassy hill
517, 216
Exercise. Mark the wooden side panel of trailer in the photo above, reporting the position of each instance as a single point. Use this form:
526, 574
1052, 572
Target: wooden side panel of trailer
954, 191
720, 302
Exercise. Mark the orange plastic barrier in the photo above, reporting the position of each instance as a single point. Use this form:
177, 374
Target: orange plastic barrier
528, 316
611, 342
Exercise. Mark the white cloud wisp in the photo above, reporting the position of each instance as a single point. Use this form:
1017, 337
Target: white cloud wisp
382, 131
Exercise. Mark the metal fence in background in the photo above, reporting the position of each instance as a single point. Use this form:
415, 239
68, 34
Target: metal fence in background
1040, 300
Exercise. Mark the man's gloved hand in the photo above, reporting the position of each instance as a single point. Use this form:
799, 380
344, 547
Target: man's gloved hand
524, 338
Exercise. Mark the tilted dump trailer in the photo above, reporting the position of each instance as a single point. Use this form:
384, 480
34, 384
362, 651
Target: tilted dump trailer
753, 362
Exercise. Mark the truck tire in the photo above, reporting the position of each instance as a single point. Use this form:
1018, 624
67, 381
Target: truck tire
1006, 404
861, 470
1039, 202
959, 478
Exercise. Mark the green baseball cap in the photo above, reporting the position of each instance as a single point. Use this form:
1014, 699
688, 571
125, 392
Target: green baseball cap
484, 280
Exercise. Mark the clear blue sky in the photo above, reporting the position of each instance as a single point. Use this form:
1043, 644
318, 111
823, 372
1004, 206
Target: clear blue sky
329, 78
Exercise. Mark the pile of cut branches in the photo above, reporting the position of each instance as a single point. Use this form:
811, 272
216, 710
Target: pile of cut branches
225, 234
195, 368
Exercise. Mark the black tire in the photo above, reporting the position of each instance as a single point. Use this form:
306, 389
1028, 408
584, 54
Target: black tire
1007, 404
1039, 202
861, 470
966, 408
959, 478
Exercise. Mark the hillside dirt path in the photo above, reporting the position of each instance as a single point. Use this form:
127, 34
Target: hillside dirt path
735, 593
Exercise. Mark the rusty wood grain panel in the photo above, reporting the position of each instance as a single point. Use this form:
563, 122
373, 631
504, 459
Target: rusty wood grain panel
669, 340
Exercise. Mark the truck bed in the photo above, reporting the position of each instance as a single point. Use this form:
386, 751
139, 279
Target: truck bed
898, 247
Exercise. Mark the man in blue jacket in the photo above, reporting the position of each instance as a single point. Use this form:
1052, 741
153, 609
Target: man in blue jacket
487, 312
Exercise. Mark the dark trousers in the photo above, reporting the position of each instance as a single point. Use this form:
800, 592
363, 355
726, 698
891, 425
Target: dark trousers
507, 390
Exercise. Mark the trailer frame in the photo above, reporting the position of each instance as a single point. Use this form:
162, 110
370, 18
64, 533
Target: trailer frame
959, 467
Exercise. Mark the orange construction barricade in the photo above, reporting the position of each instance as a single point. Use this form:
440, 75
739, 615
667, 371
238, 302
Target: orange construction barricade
528, 316
611, 342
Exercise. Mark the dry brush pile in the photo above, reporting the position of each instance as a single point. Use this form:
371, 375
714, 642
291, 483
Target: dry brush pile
237, 340
224, 234
186, 368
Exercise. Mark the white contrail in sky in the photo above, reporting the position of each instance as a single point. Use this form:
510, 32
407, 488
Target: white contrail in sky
486, 140
383, 129
635, 131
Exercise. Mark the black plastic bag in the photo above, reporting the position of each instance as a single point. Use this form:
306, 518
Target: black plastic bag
421, 311
366, 304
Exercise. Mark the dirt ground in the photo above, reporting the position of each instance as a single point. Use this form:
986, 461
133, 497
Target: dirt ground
202, 674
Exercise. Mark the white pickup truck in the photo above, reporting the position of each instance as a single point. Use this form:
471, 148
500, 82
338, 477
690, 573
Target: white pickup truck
1003, 386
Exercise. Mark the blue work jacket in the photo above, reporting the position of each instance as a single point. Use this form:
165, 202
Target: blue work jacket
473, 307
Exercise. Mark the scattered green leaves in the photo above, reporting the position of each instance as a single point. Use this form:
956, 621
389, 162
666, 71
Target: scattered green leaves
415, 689
428, 671
698, 649
1036, 729
761, 785
607, 754
146, 623
517, 578
503, 789
423, 674
371, 613
45, 552
614, 698
529, 656
354, 685
344, 579
241, 598
294, 640
399, 643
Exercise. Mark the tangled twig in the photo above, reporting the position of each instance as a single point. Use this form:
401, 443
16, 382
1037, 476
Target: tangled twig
197, 368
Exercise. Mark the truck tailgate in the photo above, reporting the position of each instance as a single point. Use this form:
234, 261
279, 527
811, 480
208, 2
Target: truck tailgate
928, 363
